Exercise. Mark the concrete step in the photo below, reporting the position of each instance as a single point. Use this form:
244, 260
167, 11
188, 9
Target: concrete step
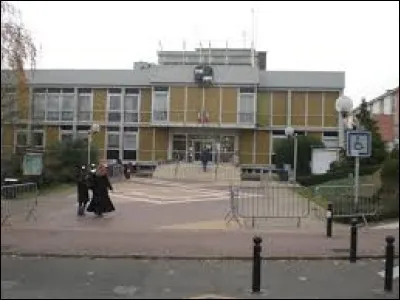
194, 171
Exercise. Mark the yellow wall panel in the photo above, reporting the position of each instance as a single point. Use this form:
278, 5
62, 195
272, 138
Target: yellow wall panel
177, 104
145, 105
330, 114
212, 104
99, 104
229, 105
194, 104
52, 135
246, 141
314, 109
262, 147
279, 110
161, 144
145, 144
298, 108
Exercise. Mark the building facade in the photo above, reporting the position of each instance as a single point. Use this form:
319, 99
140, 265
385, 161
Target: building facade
385, 111
223, 99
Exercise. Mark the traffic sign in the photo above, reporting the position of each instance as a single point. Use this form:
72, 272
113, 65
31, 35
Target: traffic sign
359, 143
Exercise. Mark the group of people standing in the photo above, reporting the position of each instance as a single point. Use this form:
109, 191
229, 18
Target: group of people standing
96, 180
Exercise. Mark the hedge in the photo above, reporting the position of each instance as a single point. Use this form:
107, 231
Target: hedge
321, 178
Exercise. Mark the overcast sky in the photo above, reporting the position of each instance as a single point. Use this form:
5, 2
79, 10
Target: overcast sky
360, 38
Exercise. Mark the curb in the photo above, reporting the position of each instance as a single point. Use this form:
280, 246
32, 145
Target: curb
182, 257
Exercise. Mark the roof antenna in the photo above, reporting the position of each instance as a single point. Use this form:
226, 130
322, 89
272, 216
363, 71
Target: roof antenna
253, 56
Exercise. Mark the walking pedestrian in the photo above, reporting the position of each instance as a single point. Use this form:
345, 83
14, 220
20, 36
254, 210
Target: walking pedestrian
205, 158
82, 188
101, 202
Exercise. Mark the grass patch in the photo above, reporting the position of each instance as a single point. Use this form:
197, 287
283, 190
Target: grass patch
340, 188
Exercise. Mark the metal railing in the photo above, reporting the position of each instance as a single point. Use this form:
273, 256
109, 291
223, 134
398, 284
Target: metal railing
344, 203
269, 199
194, 171
18, 199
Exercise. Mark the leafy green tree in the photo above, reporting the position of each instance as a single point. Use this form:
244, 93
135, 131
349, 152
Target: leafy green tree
284, 152
366, 122
62, 158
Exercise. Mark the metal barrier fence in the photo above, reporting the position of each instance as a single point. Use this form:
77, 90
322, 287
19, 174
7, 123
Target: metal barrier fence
343, 200
267, 200
194, 171
18, 199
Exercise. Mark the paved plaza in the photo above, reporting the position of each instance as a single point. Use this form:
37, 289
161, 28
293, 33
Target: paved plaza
163, 218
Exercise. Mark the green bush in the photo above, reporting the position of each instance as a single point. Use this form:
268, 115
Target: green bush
395, 153
390, 188
390, 171
284, 150
322, 178
390, 203
11, 166
61, 158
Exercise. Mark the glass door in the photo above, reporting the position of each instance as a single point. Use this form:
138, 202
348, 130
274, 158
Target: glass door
199, 145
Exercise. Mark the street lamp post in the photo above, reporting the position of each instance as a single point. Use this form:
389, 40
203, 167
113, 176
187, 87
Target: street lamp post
289, 132
94, 129
344, 106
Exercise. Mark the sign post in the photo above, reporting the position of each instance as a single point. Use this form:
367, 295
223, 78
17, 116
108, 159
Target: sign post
358, 145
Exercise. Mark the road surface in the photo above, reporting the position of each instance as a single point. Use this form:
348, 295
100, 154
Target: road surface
166, 279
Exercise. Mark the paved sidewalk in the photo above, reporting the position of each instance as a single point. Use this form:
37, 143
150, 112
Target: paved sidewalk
189, 244
33, 278
174, 220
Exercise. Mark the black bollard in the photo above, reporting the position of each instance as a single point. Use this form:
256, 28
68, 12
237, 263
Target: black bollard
256, 264
389, 261
329, 217
353, 240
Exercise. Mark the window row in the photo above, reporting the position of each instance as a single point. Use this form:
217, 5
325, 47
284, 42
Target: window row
128, 143
59, 105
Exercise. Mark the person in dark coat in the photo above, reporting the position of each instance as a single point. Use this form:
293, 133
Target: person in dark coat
205, 158
82, 189
100, 185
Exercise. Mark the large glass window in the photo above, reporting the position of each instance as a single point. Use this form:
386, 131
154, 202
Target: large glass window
113, 144
84, 104
39, 106
114, 105
130, 142
53, 106
246, 107
131, 104
67, 106
160, 104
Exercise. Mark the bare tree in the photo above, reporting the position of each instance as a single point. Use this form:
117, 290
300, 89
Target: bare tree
17, 51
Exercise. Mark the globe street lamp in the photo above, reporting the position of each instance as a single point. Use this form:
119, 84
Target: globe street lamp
289, 132
344, 106
94, 129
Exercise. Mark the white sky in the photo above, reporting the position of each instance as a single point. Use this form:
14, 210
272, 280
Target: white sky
360, 38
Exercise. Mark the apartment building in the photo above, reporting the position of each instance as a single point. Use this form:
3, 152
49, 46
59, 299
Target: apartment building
385, 110
224, 99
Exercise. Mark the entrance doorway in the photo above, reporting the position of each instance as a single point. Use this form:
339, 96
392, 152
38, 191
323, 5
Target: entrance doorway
188, 147
199, 145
